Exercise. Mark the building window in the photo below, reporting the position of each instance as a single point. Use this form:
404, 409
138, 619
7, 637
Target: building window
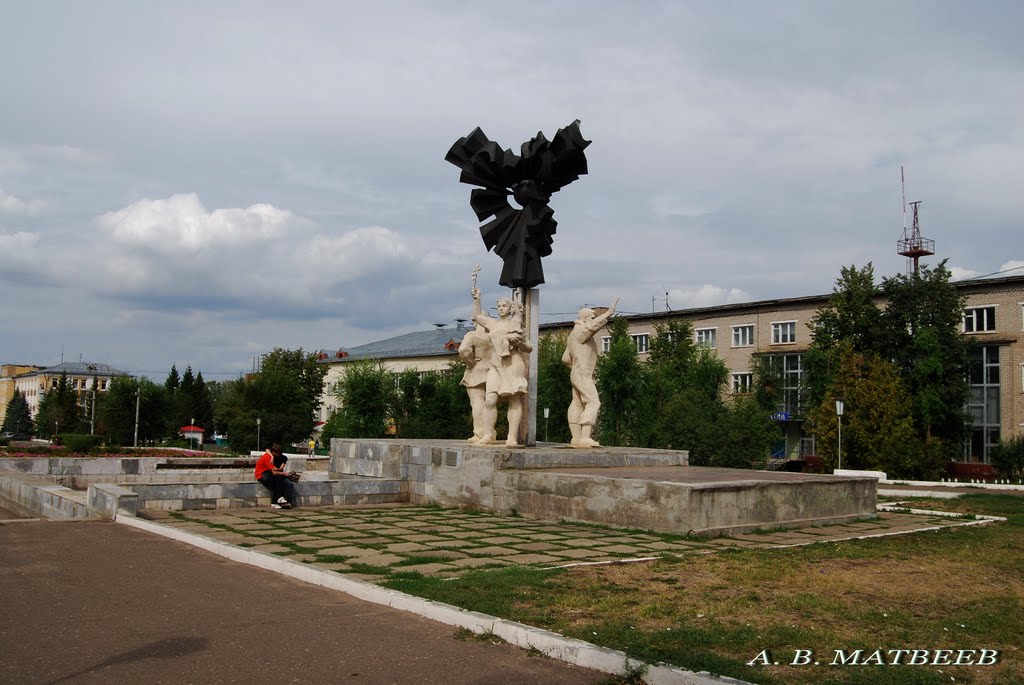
979, 319
984, 402
743, 336
742, 383
706, 337
643, 342
606, 343
783, 332
790, 369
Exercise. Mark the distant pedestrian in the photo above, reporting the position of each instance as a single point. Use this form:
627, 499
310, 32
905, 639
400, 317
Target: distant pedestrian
270, 472
312, 446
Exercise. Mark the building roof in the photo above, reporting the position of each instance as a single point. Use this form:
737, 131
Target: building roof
436, 342
79, 369
807, 300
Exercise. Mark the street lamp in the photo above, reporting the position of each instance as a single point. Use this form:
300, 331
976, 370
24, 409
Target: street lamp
547, 411
840, 406
258, 422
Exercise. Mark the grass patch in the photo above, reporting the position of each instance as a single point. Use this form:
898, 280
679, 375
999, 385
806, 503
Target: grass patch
331, 558
371, 570
422, 559
959, 588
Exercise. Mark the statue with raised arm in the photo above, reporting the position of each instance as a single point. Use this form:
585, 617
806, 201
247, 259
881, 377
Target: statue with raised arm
475, 351
581, 357
507, 379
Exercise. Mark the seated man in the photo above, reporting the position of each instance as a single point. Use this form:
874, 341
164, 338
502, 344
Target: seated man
270, 472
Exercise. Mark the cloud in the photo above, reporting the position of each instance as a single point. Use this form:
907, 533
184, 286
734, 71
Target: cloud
706, 295
182, 223
959, 273
11, 204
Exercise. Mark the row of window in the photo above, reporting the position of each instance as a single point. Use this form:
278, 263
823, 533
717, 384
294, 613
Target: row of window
783, 333
983, 319
976, 320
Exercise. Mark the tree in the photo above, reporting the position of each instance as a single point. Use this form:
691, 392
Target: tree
274, 399
923, 323
116, 414
366, 393
18, 416
307, 372
554, 389
172, 382
59, 411
878, 428
621, 380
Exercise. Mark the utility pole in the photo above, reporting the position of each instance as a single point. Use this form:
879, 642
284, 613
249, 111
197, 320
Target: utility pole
138, 397
92, 419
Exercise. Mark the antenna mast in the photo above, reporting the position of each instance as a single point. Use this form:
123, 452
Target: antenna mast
912, 245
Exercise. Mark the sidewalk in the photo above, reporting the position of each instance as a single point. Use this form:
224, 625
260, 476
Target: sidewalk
371, 543
98, 602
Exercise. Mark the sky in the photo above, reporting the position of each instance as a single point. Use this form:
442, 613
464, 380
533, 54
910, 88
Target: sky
196, 183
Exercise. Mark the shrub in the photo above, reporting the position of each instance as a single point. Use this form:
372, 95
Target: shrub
78, 442
1008, 457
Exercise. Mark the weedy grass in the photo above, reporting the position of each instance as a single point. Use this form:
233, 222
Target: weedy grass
959, 588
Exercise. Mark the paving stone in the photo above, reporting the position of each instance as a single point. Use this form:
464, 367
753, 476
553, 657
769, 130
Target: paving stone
426, 569
575, 542
342, 534
618, 549
468, 534
455, 544
406, 547
531, 558
347, 551
538, 547
494, 551
499, 540
379, 559
423, 537
320, 544
546, 537
272, 548
580, 553
476, 562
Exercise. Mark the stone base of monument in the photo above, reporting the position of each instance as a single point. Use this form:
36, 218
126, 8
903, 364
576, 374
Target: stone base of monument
633, 488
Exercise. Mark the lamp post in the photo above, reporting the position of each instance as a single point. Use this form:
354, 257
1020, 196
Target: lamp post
258, 422
840, 406
547, 411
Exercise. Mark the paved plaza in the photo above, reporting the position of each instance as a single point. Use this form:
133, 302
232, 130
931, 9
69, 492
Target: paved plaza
373, 543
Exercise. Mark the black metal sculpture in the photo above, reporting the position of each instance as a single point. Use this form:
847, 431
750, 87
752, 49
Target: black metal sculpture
520, 236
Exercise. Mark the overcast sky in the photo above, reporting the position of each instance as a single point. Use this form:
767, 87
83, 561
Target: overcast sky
198, 182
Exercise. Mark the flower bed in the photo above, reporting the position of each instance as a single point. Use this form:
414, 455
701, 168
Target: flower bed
54, 451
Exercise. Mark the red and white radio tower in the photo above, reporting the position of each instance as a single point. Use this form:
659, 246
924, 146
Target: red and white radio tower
912, 245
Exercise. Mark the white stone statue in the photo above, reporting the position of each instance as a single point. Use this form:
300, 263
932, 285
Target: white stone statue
475, 350
507, 379
581, 357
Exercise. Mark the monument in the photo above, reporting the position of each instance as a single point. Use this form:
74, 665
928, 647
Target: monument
581, 358
522, 234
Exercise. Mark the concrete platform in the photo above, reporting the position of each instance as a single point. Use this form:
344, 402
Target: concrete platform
625, 487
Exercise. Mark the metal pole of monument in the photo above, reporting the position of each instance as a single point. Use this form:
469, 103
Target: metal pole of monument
531, 317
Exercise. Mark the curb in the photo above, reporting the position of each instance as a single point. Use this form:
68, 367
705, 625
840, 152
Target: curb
551, 644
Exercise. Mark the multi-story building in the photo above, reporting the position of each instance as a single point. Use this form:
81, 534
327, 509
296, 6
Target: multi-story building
426, 351
780, 329
7, 374
993, 317
83, 377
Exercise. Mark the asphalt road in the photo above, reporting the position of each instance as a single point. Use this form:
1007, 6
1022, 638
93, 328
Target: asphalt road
98, 602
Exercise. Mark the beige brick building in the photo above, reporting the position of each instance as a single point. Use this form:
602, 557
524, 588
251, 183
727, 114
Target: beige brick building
993, 317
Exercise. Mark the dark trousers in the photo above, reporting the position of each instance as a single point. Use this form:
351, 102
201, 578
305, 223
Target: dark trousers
279, 486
